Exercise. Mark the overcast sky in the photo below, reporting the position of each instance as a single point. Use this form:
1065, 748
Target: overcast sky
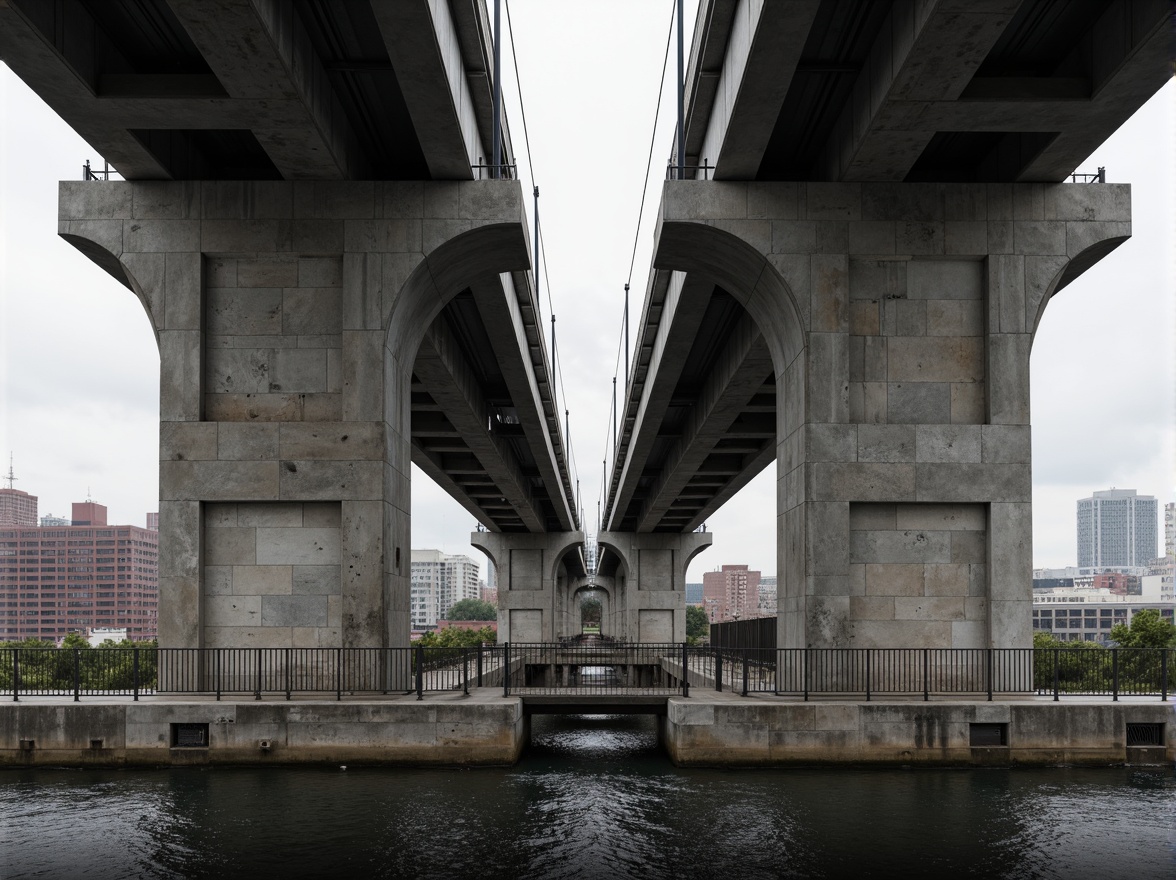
79, 369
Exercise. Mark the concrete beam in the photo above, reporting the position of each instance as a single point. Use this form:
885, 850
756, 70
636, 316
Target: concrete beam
260, 51
667, 332
763, 48
426, 52
738, 377
509, 317
923, 53
450, 381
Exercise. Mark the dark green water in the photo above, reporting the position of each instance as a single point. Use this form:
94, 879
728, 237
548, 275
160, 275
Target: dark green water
592, 798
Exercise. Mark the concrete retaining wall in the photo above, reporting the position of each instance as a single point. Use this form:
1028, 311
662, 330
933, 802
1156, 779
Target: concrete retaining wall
466, 732
695, 732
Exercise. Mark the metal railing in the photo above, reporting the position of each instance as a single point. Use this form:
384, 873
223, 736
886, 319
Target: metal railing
1100, 177
89, 173
688, 172
587, 669
486, 170
257, 671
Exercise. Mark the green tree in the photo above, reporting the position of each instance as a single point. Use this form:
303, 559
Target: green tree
453, 637
697, 623
1147, 630
591, 610
472, 609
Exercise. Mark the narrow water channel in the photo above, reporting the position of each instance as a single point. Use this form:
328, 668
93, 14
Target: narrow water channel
594, 797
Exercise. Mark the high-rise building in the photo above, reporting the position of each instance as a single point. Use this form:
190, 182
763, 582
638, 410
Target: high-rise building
58, 579
1170, 529
731, 593
1117, 528
438, 581
17, 508
153, 521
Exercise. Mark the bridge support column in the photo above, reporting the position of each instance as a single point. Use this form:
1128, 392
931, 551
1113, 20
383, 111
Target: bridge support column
534, 573
649, 581
288, 316
900, 319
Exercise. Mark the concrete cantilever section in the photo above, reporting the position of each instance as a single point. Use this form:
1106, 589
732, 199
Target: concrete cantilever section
289, 317
899, 318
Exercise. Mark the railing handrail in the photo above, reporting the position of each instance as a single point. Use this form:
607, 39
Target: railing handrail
550, 667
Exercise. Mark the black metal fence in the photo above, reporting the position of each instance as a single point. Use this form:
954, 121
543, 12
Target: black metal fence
590, 669
756, 634
257, 671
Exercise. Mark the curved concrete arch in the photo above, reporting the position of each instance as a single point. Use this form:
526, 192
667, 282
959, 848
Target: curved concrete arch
744, 272
1070, 271
114, 266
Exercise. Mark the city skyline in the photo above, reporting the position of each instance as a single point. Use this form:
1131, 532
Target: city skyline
80, 371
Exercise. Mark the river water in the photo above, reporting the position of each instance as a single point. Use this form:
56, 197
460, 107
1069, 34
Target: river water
592, 798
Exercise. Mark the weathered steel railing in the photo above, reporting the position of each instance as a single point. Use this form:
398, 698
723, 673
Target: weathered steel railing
589, 669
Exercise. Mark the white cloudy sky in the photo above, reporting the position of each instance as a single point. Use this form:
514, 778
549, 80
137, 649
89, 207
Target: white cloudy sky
79, 367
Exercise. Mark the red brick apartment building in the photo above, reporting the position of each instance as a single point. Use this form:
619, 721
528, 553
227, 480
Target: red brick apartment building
56, 580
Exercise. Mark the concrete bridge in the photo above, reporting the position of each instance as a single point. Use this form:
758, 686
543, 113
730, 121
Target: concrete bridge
868, 219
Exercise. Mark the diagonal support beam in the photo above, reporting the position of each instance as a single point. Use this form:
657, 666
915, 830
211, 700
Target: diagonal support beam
451, 382
740, 374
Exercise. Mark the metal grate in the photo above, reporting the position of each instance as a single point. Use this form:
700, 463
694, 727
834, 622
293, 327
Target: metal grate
1145, 734
190, 736
988, 734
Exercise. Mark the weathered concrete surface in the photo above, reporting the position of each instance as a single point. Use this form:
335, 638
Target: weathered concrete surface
899, 318
289, 316
698, 731
480, 729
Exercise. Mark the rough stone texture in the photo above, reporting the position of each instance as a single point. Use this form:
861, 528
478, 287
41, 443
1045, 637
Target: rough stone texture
288, 315
271, 569
900, 319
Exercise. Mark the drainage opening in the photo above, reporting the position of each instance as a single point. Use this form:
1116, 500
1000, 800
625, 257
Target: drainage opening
988, 734
1145, 734
189, 736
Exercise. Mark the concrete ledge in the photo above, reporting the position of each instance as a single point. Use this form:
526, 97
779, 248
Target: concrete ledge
696, 732
442, 730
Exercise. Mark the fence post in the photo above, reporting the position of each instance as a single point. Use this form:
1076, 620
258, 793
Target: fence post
257, 678
1164, 674
685, 669
1114, 675
869, 682
804, 662
1056, 659
480, 646
420, 672
926, 676
339, 675
988, 671
15, 675
217, 655
465, 671
77, 652
745, 661
135, 670
287, 676
506, 669
719, 669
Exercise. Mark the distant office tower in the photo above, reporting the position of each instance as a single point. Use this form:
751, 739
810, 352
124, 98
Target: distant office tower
1170, 529
51, 520
438, 581
1117, 528
693, 594
17, 508
58, 579
731, 593
153, 521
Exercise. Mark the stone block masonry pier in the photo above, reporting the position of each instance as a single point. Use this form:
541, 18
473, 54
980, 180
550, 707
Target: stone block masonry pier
289, 316
899, 320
